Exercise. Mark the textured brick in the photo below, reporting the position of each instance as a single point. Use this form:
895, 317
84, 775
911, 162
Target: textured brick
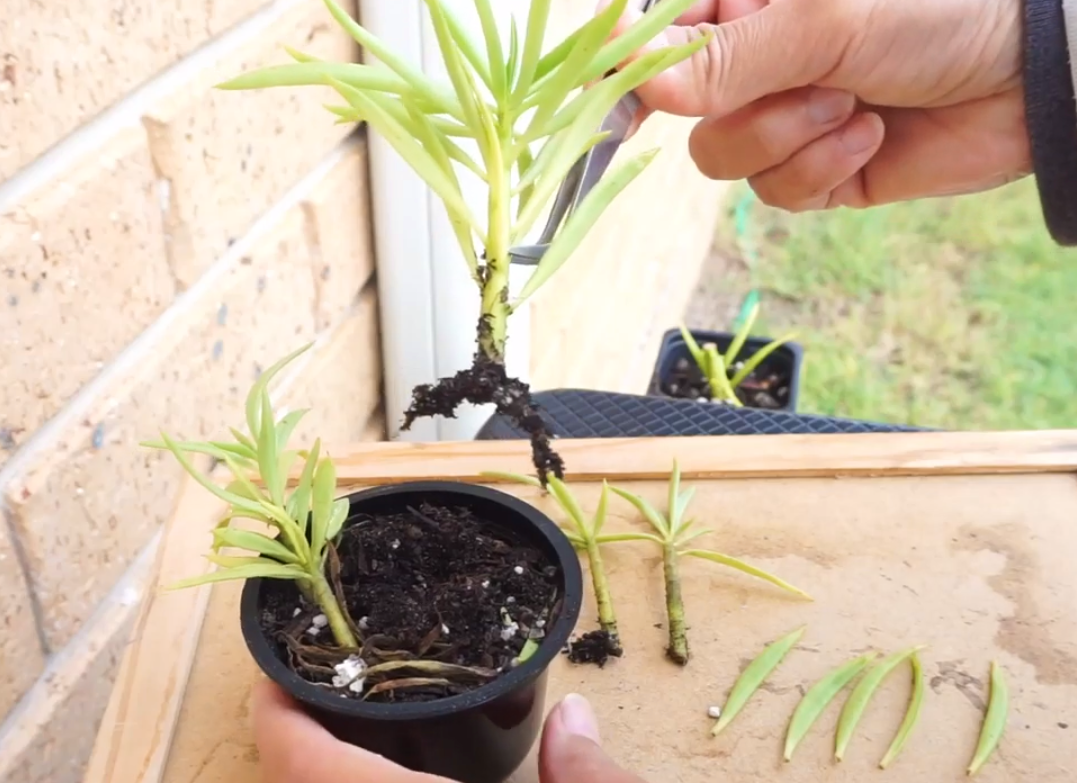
21, 658
88, 505
62, 63
341, 381
82, 271
223, 157
54, 734
338, 216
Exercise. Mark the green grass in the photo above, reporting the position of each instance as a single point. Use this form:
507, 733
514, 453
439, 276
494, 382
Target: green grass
957, 313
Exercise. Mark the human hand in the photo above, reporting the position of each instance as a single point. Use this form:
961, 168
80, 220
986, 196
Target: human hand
293, 748
826, 103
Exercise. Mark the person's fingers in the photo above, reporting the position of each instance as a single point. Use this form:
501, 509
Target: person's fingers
740, 63
976, 146
294, 748
570, 752
807, 179
768, 132
718, 11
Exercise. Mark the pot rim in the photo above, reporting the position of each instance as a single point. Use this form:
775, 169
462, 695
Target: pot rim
557, 634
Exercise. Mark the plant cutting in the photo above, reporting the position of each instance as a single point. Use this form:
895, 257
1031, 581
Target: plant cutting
586, 536
531, 111
753, 676
416, 620
729, 369
673, 531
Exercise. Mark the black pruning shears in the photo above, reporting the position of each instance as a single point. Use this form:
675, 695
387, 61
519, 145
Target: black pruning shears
584, 174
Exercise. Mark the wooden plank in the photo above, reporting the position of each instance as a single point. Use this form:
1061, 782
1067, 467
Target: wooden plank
132, 744
756, 456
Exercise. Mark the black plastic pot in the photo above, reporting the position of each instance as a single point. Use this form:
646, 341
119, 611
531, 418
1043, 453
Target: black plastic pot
788, 358
477, 737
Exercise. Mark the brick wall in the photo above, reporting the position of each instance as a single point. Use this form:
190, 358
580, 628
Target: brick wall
160, 243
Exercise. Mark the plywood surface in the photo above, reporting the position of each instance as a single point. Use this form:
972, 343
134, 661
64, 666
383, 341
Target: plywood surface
978, 567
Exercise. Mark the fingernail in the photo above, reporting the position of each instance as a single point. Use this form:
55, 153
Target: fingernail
578, 718
858, 136
826, 106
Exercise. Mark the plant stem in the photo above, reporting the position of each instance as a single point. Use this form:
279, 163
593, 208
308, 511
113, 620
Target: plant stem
495, 280
323, 595
607, 620
678, 631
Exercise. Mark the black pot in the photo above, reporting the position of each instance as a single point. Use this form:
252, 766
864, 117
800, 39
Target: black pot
478, 737
787, 359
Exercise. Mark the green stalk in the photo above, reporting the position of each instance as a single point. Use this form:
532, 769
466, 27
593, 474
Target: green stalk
607, 620
678, 630
327, 602
495, 280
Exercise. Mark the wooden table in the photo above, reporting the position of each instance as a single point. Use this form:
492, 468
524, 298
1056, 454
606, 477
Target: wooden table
963, 542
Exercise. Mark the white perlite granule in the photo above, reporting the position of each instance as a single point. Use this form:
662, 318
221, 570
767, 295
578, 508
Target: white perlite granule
519, 569
714, 712
349, 674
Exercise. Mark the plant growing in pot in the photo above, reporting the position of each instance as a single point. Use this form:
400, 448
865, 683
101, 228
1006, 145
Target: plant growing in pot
416, 620
729, 368
531, 114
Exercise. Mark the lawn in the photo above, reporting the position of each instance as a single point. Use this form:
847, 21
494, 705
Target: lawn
957, 313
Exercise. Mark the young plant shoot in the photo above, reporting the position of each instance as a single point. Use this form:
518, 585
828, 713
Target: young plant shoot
586, 536
306, 520
673, 531
525, 109
723, 372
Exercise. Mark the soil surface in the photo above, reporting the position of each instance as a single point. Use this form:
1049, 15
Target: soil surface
487, 382
766, 387
448, 604
595, 647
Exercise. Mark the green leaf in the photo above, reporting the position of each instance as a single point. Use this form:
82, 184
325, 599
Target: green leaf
495, 54
650, 513
674, 491
286, 426
337, 518
264, 570
299, 502
549, 98
419, 82
740, 565
244, 440
599, 519
582, 220
524, 160
693, 348
613, 538
512, 64
538, 16
740, 337
254, 396
253, 542
402, 139
681, 504
568, 502
645, 30
301, 57
468, 48
757, 358
549, 62
316, 73
268, 462
325, 483
228, 497
460, 76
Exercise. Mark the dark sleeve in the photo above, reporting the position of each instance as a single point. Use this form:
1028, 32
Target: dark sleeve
1051, 112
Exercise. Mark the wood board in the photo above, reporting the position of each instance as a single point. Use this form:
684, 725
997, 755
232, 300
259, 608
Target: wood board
961, 542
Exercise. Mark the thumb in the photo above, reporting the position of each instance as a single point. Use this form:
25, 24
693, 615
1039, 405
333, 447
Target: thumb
787, 44
570, 750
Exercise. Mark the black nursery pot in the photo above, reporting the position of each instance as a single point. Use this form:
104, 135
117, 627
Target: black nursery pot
788, 359
481, 736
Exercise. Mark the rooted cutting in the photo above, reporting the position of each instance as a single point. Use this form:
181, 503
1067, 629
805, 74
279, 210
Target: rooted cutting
441, 602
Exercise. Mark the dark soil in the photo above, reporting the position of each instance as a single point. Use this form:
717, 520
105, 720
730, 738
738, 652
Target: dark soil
595, 647
766, 387
483, 383
431, 588
487, 382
